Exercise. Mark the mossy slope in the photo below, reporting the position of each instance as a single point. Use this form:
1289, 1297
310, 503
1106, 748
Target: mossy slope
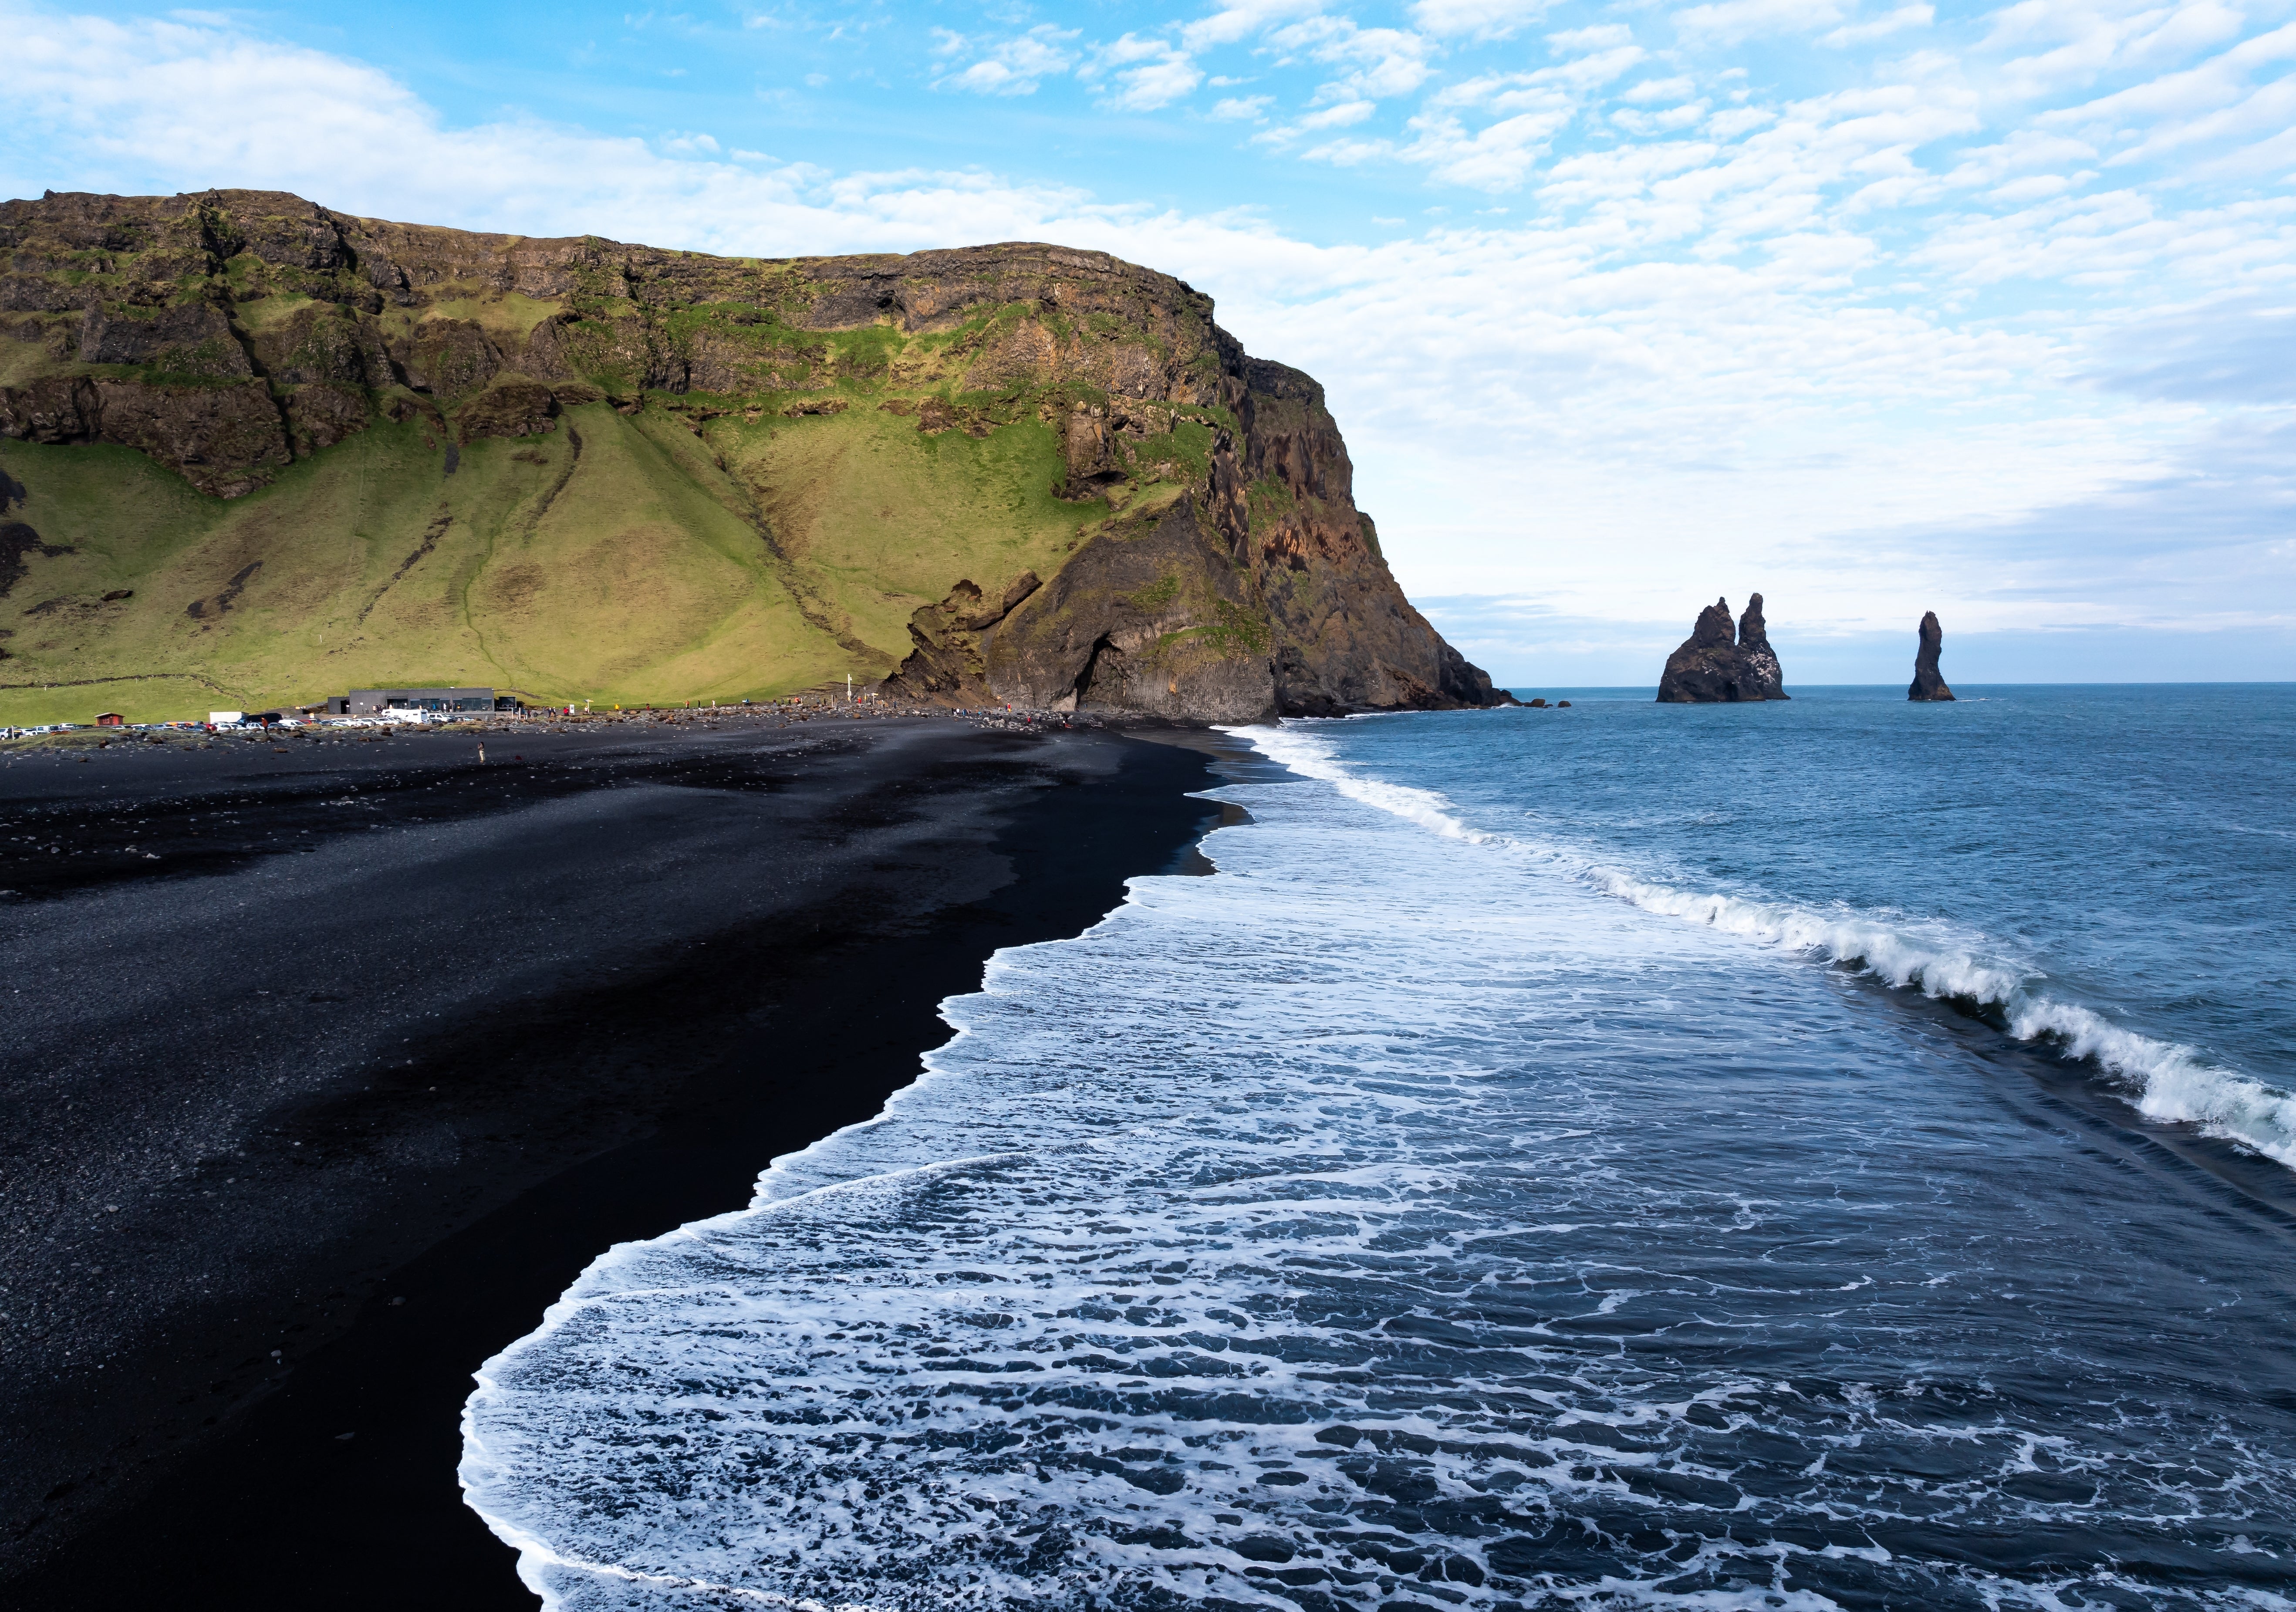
590, 563
258, 452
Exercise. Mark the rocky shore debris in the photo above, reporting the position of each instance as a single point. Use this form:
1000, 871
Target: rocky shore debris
81, 742
1928, 683
1717, 666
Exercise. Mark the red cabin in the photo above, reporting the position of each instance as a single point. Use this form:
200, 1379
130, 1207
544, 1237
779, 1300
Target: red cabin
110, 718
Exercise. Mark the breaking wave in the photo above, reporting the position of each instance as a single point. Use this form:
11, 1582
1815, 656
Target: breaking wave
2163, 1079
1386, 1223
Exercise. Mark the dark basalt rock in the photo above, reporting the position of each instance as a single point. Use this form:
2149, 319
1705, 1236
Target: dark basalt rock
950, 640
1761, 662
1713, 667
1928, 683
514, 407
1151, 616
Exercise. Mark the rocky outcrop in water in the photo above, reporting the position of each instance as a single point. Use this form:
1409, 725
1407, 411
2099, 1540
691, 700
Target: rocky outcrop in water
1715, 667
1928, 684
1761, 662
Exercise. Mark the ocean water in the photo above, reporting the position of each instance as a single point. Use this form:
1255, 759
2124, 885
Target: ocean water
1829, 1154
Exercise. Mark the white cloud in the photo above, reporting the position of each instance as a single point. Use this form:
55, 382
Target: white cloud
1663, 123
1387, 62
1007, 67
1142, 74
1347, 153
1495, 158
1242, 107
2088, 38
1586, 41
2034, 187
2024, 150
1738, 120
1477, 19
1600, 66
2268, 112
1661, 89
2210, 103
131, 109
1881, 27
1241, 20
1730, 21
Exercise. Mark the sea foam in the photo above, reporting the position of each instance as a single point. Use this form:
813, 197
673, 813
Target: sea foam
2164, 1080
1386, 1221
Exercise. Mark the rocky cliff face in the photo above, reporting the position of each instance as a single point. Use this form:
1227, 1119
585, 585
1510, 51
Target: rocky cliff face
1218, 567
1259, 589
1929, 683
1712, 667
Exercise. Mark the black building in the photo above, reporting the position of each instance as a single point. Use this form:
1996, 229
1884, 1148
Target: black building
369, 702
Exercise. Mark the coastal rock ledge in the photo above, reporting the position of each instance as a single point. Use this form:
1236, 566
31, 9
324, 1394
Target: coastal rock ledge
1713, 669
1929, 683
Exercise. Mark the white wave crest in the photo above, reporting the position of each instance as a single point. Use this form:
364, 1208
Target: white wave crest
2163, 1079
1311, 757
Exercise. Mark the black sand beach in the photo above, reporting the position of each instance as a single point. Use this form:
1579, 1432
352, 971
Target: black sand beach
326, 1070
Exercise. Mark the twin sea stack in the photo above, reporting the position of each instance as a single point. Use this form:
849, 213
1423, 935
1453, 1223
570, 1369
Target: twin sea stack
582, 469
1712, 668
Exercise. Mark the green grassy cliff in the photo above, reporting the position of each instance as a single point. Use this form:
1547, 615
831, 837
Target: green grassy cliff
252, 451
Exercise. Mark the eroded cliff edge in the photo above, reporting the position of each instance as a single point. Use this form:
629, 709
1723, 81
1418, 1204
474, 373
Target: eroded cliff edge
589, 468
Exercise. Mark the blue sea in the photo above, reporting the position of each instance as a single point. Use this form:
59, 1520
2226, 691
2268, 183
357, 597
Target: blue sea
1831, 1154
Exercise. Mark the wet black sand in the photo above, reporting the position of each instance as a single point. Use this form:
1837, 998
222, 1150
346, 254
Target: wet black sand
369, 1096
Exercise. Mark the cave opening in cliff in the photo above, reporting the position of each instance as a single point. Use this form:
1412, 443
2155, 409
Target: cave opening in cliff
1102, 669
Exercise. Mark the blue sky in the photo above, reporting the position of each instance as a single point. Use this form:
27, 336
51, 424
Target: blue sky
1873, 307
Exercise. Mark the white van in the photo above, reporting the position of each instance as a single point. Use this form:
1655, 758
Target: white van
225, 718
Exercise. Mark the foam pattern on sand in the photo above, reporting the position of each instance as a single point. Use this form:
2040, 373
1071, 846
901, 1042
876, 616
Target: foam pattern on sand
1387, 1221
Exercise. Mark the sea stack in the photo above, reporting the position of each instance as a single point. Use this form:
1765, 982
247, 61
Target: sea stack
1928, 685
1712, 668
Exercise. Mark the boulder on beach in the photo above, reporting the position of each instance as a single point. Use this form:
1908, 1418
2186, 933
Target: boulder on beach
1928, 683
1716, 666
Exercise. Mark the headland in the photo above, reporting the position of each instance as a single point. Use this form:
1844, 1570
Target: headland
254, 450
